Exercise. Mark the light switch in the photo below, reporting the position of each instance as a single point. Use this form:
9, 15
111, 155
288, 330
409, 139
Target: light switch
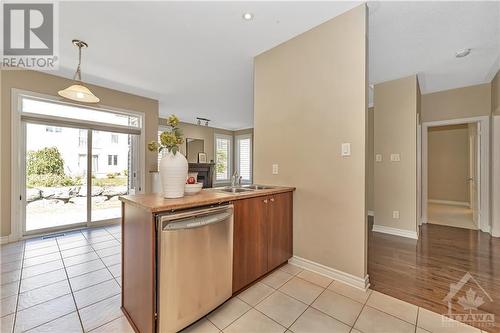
378, 158
346, 149
395, 158
275, 169
395, 214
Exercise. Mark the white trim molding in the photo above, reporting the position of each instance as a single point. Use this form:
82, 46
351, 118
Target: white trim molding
394, 231
484, 222
371, 213
18, 146
353, 281
4, 239
449, 202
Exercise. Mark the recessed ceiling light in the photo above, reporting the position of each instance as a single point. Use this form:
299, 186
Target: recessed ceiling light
462, 53
247, 16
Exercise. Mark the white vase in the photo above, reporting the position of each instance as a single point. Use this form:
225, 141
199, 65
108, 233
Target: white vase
173, 174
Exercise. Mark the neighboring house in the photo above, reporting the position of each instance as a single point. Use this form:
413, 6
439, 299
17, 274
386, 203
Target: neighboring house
109, 155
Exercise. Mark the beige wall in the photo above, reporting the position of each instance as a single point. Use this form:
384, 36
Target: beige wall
310, 97
472, 101
204, 133
495, 94
448, 163
495, 166
49, 84
495, 155
370, 159
395, 132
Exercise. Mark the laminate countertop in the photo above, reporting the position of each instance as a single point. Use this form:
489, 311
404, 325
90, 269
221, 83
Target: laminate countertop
155, 203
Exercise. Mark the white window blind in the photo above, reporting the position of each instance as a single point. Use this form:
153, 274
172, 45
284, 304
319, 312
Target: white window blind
159, 154
222, 157
244, 157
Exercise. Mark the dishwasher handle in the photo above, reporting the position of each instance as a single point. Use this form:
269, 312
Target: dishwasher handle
197, 221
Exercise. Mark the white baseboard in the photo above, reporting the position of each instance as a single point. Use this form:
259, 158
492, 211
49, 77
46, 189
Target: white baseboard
335, 274
371, 213
449, 202
395, 231
4, 239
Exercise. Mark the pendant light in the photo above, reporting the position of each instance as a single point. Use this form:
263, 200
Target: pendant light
78, 92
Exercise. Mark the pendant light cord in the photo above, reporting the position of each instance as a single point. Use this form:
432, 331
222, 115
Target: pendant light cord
78, 73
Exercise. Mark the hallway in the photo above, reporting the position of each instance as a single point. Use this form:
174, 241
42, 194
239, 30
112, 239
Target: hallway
420, 272
451, 215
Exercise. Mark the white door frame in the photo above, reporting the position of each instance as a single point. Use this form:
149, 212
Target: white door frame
17, 150
484, 170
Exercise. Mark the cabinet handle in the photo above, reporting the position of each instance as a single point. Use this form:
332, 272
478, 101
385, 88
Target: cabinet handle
265, 201
272, 199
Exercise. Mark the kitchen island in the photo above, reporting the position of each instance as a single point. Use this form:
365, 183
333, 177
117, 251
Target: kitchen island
261, 242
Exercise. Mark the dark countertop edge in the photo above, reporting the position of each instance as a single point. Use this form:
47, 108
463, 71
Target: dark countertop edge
228, 197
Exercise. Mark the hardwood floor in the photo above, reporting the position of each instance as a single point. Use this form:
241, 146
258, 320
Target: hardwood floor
420, 272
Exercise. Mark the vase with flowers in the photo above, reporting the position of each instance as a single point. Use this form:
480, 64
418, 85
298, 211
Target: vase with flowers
173, 165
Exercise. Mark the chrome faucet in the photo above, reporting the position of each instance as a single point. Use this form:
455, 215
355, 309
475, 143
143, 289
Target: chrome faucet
233, 178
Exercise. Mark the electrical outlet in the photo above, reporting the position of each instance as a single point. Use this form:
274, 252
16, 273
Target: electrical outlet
275, 169
378, 158
395, 214
395, 158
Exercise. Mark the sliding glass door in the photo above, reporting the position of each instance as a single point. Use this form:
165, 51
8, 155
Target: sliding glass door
56, 177
111, 173
74, 170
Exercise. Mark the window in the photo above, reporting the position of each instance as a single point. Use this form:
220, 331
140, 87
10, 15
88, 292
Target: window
114, 138
41, 107
243, 157
95, 163
112, 159
82, 162
160, 155
82, 138
52, 129
223, 158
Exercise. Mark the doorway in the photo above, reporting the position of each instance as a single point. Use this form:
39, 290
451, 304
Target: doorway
74, 163
455, 187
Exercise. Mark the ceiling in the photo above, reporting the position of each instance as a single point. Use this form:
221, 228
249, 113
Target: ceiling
196, 58
422, 37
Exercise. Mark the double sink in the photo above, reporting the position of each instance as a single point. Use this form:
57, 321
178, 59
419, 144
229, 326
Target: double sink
245, 188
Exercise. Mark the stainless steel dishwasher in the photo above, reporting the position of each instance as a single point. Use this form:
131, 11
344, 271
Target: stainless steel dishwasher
195, 264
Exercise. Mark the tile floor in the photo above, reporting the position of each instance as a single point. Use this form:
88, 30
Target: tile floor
72, 284
65, 284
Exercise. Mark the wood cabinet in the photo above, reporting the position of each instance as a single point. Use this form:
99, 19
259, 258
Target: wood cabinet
262, 236
249, 241
279, 228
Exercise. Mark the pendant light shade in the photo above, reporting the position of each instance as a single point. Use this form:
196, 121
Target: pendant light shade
78, 92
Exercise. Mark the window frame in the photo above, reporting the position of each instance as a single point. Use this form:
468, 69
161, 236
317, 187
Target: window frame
237, 139
230, 158
18, 122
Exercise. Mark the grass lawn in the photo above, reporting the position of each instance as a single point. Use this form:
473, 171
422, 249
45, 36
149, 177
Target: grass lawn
117, 181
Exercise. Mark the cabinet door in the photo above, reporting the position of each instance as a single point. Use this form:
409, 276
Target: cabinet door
279, 229
249, 241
